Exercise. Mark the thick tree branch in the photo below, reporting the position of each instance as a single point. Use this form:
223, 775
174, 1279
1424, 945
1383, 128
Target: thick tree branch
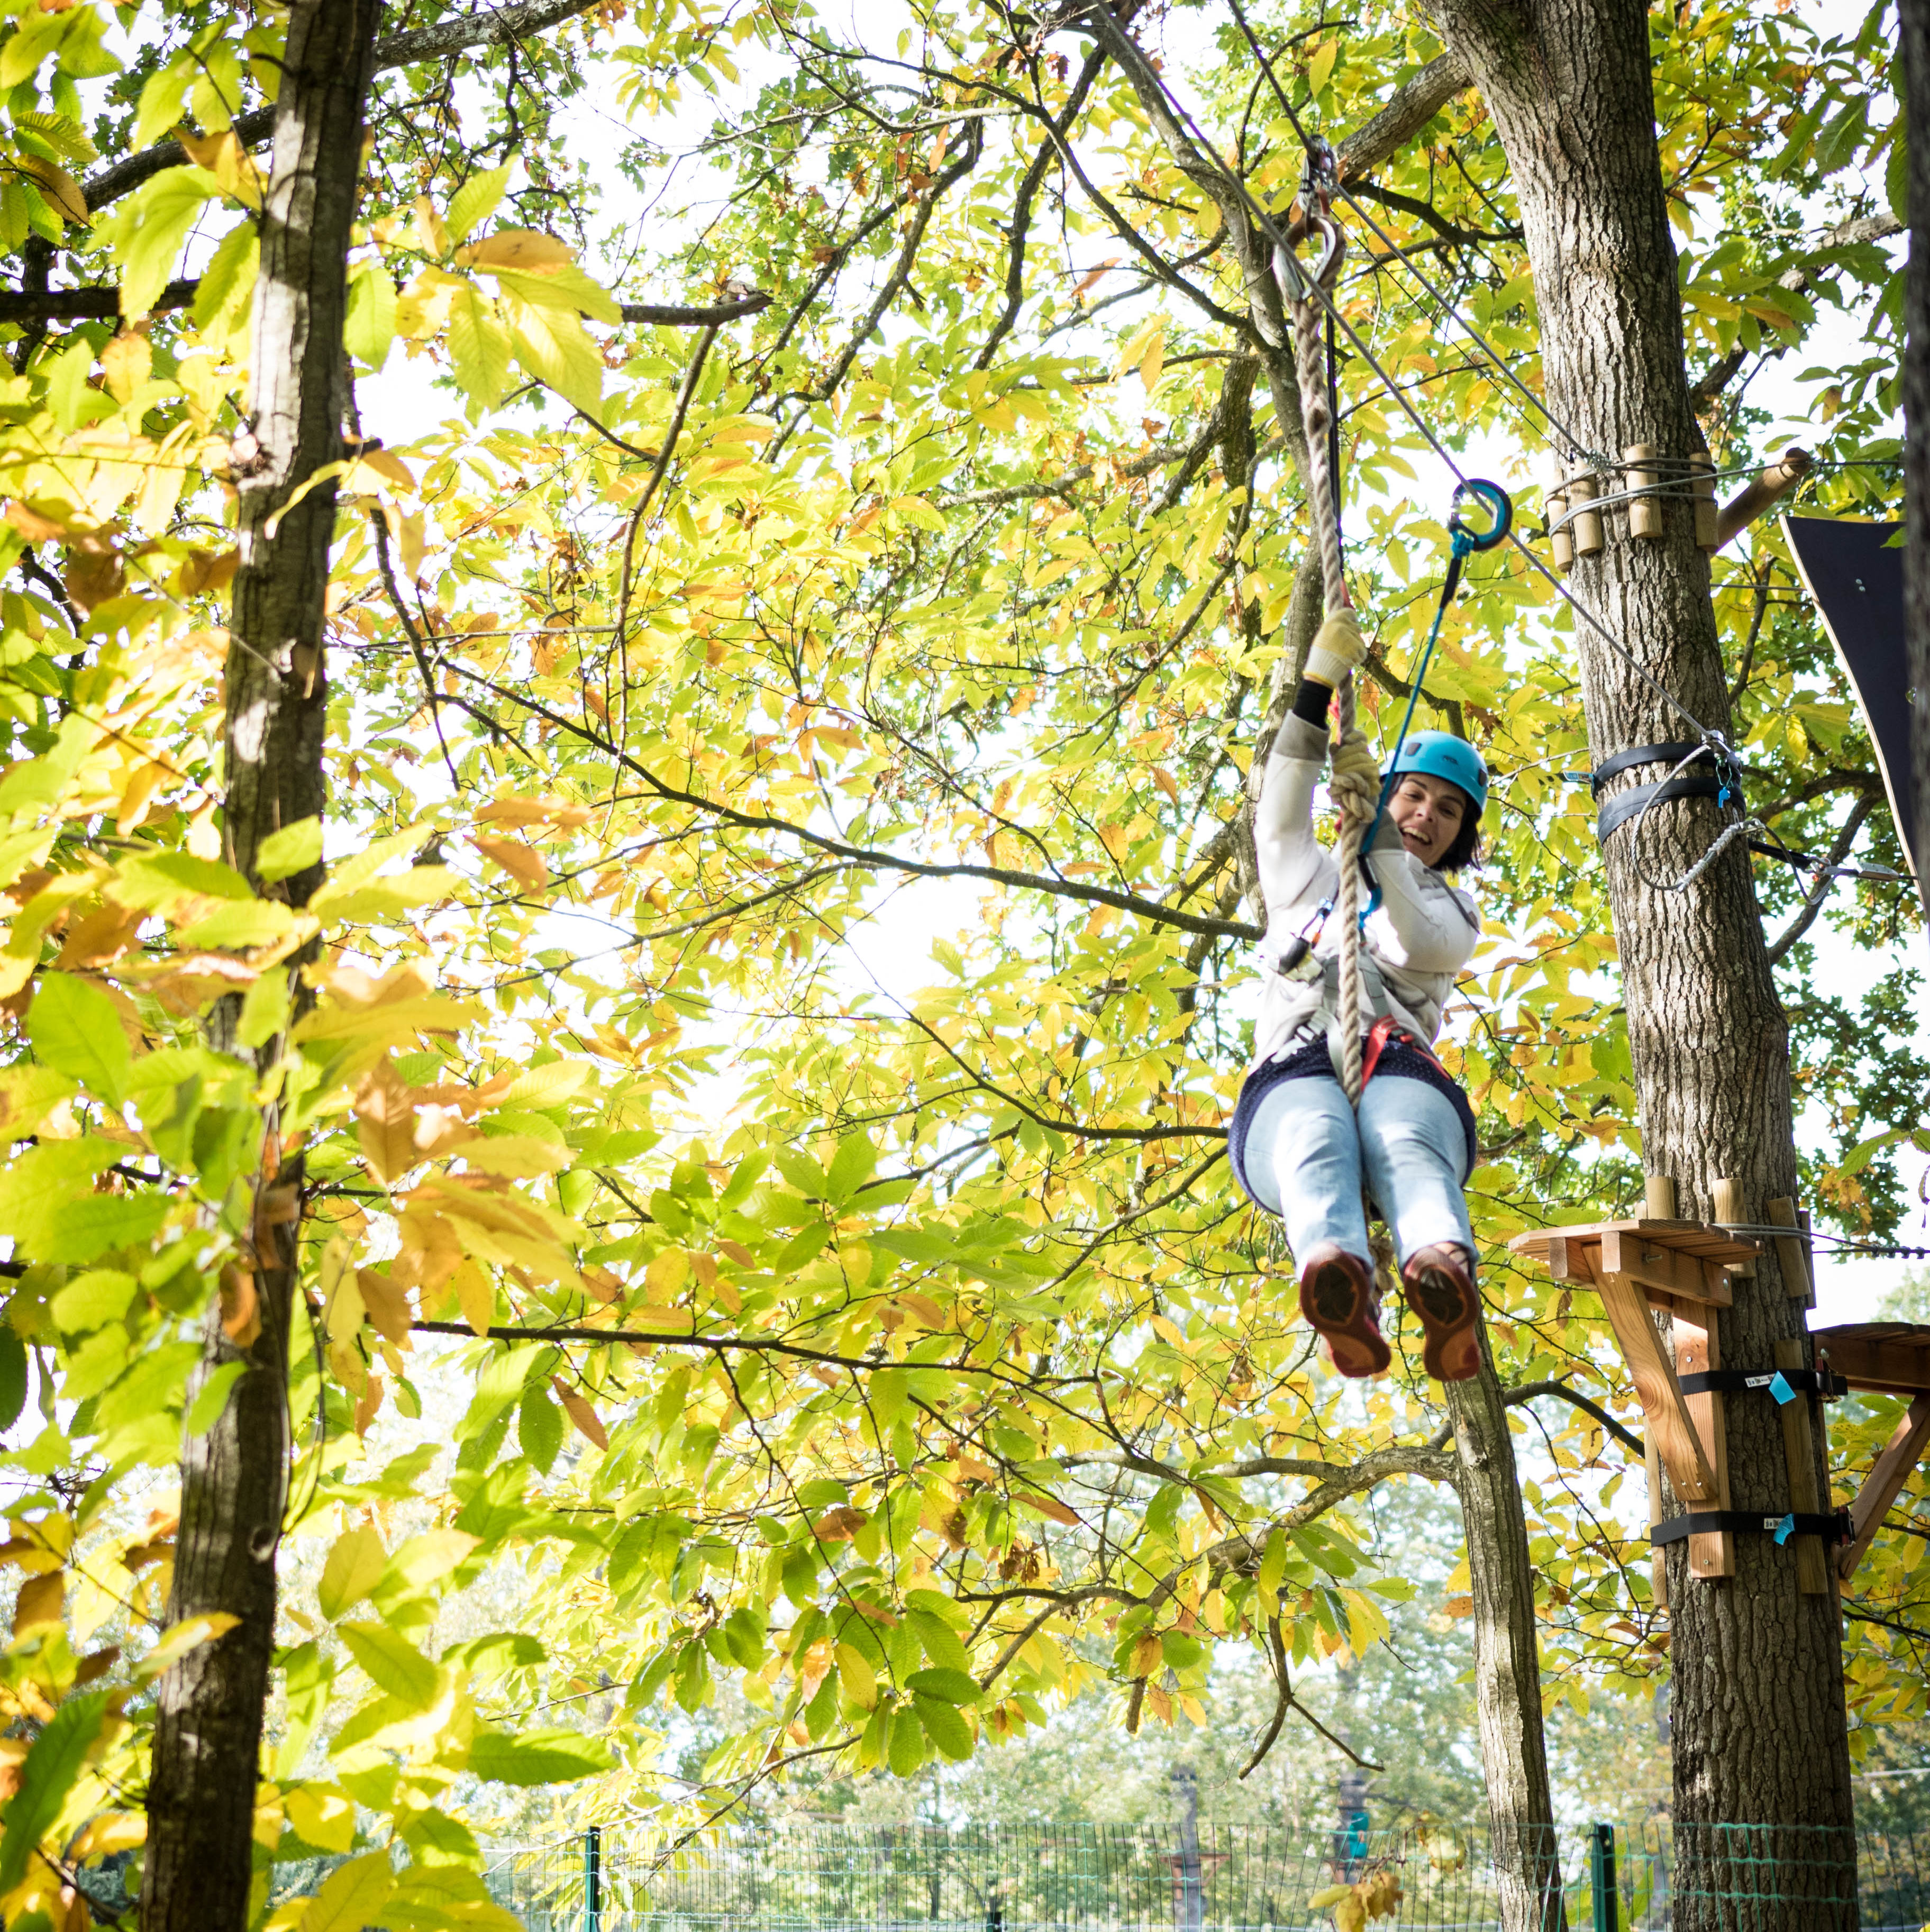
1717, 377
1626, 1436
487, 27
1409, 108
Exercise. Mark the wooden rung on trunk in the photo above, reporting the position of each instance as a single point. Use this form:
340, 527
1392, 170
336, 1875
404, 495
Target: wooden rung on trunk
1799, 1450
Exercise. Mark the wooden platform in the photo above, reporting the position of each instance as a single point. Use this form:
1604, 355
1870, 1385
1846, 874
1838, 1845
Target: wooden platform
1681, 1268
1893, 1357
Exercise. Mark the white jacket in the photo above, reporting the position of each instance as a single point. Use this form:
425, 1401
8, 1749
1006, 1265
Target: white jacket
1423, 931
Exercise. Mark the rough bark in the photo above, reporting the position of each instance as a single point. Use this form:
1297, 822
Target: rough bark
1507, 1664
1914, 38
209, 1722
1759, 1722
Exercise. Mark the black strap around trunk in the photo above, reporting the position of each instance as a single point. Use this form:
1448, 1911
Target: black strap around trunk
1707, 782
1732, 1382
1833, 1528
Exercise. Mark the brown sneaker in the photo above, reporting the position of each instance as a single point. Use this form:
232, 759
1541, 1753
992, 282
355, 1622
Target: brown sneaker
1440, 1290
1338, 1298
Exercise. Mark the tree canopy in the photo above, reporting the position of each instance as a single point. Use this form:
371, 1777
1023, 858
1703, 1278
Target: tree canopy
857, 480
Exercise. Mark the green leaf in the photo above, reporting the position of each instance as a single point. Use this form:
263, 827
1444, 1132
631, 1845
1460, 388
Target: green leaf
539, 1427
369, 326
91, 1300
478, 347
290, 850
75, 1030
163, 95
907, 1751
551, 344
944, 1727
147, 232
53, 1762
536, 1757
264, 1008
954, 1686
229, 276
1896, 175
13, 1377
850, 1168
476, 201
211, 1398
392, 1663
445, 1898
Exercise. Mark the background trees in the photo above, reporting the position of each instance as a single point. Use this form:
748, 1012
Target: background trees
890, 531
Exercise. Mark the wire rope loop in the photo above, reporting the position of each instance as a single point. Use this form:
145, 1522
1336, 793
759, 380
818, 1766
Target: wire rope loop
1464, 538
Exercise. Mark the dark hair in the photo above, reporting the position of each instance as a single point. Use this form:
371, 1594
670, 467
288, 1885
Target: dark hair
1465, 850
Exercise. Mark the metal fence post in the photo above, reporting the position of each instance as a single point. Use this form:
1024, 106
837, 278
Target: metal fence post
592, 1879
1602, 1877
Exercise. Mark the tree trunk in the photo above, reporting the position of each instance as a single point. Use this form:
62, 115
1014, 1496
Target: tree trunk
1507, 1664
1914, 37
1759, 1717
233, 1477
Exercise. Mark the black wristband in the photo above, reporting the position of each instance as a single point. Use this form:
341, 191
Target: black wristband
1311, 700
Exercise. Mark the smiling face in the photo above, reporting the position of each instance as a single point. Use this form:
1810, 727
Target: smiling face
1428, 813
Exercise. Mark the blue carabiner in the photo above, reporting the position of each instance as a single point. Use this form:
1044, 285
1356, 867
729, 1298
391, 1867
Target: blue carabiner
1500, 508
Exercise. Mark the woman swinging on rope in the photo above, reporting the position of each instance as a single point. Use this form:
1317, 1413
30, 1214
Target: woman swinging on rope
1299, 1148
1345, 1088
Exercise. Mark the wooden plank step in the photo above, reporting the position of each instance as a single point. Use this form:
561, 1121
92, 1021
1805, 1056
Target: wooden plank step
1693, 1238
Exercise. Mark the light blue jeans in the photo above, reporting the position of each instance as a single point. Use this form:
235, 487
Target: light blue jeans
1310, 1150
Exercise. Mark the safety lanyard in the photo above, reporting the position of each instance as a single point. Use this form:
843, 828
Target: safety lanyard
1463, 543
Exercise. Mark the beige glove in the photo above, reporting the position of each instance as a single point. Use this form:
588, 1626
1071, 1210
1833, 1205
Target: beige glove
1338, 648
1354, 761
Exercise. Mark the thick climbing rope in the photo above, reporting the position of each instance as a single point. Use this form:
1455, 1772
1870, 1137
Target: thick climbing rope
1359, 800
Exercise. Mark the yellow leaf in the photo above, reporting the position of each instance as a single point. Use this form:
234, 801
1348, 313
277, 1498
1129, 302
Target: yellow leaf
189, 1634
1320, 66
1329, 1894
126, 362
350, 1897
1153, 360
525, 866
323, 1815
386, 1117
475, 1294
227, 160
59, 187
516, 248
517, 811
666, 1274
581, 1413
353, 1568
856, 1675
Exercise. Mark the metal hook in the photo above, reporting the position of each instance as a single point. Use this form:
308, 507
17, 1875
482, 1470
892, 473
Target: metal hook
1297, 283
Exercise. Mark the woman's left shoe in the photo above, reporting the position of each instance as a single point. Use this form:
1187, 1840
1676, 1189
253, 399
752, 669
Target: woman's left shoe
1440, 1289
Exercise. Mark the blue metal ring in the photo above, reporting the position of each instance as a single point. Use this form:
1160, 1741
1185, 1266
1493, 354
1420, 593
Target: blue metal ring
1499, 506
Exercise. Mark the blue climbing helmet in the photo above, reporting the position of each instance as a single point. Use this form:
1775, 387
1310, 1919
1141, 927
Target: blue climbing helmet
1442, 755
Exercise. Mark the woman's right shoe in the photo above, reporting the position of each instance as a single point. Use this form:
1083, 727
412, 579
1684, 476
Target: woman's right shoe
1440, 1289
1338, 1299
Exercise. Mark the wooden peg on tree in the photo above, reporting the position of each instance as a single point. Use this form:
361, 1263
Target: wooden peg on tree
1645, 513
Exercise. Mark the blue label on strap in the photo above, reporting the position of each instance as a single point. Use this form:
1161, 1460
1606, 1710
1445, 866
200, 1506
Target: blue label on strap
1784, 1528
1779, 1388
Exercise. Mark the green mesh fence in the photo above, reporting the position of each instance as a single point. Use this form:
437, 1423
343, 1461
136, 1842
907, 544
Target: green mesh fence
1648, 1877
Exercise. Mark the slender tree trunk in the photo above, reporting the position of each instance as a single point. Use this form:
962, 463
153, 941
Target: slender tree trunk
1760, 1724
1507, 1662
208, 1729
1914, 24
